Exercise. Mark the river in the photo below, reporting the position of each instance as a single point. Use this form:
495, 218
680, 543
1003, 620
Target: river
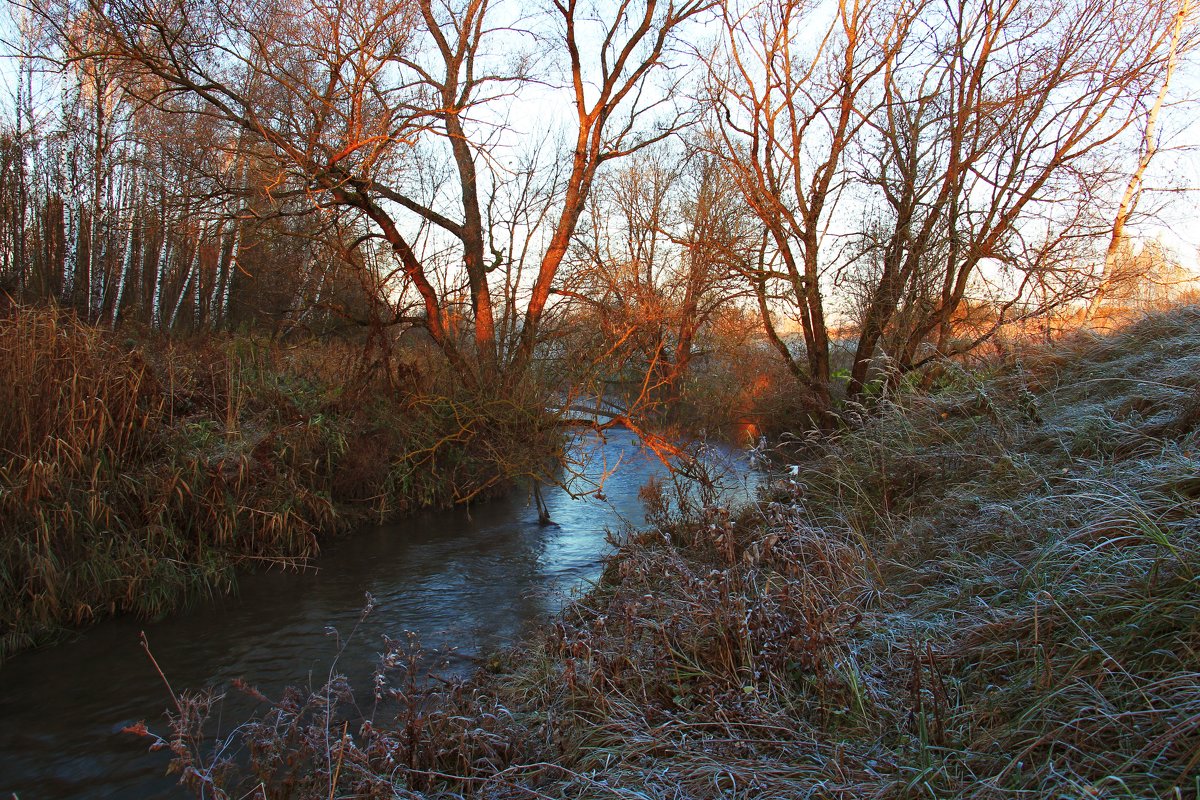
470, 581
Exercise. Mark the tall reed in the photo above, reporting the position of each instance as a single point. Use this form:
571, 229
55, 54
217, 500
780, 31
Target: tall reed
137, 472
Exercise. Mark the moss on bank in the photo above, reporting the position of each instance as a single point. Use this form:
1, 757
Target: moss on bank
136, 472
988, 591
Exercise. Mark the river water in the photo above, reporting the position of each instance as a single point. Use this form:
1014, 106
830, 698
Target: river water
470, 581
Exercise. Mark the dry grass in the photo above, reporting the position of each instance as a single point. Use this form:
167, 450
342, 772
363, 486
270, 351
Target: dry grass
989, 591
134, 474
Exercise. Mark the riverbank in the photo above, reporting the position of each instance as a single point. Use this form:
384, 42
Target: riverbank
989, 590
136, 472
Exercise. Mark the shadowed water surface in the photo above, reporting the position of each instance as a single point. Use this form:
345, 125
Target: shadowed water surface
467, 581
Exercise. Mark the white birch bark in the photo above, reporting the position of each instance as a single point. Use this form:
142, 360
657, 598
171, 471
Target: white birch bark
219, 270
198, 276
70, 249
1147, 151
189, 277
70, 220
127, 258
231, 271
160, 273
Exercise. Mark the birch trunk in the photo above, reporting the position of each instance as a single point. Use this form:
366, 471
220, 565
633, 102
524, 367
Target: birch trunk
231, 270
160, 273
219, 271
189, 277
70, 250
127, 259
1148, 149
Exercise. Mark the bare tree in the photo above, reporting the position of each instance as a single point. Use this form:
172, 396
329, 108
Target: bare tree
339, 96
1147, 150
975, 126
655, 264
786, 107
987, 159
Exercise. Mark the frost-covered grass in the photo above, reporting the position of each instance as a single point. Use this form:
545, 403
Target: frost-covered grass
988, 590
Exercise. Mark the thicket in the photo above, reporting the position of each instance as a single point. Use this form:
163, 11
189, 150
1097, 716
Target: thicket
983, 589
136, 472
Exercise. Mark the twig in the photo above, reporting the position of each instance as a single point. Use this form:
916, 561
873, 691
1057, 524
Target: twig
341, 754
161, 674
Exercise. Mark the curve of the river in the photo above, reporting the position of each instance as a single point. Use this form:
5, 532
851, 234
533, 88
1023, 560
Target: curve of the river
471, 581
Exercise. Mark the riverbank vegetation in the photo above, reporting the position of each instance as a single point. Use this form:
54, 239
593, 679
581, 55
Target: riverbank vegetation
984, 590
137, 471
270, 268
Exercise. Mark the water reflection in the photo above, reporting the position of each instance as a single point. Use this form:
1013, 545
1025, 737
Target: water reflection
470, 581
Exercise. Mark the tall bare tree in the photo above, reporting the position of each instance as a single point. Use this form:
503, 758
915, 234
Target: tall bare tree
788, 100
1147, 150
975, 125
340, 96
655, 264
987, 157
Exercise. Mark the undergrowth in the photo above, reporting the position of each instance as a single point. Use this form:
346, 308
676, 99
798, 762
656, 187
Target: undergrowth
136, 472
989, 590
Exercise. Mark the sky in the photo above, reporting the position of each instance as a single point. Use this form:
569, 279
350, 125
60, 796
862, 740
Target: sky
1173, 180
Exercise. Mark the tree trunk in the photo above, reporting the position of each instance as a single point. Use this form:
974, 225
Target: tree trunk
1149, 148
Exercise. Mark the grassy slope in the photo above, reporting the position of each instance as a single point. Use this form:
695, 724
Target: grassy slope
990, 591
